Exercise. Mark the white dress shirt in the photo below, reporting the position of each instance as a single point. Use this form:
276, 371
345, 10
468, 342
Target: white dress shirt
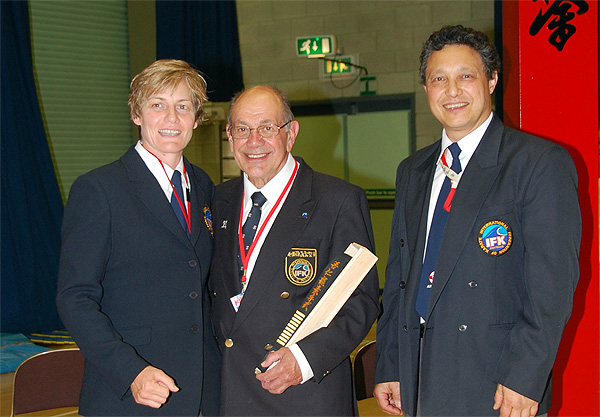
163, 172
468, 145
272, 190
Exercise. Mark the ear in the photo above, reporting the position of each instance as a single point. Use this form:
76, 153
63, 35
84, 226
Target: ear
229, 137
493, 82
292, 133
137, 120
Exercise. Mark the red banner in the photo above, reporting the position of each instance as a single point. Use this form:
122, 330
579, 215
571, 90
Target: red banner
550, 54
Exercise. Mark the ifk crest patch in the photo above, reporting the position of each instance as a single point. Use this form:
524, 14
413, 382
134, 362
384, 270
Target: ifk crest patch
301, 266
495, 237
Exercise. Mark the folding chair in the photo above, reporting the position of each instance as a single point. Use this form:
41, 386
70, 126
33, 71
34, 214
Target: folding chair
48, 380
364, 371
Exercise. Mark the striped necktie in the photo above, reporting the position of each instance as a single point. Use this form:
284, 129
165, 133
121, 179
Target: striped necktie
251, 223
177, 208
436, 232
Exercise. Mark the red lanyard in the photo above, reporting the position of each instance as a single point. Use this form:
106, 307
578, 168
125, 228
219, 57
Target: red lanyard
453, 176
186, 213
246, 256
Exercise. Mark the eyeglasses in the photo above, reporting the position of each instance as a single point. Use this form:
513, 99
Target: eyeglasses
265, 131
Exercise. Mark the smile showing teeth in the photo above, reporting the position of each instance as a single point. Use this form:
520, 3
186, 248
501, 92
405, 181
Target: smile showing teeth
168, 132
454, 106
256, 156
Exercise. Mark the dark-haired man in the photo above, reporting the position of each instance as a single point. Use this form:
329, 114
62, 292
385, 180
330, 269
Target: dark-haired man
484, 252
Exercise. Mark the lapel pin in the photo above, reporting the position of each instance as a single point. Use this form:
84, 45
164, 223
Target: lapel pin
224, 225
305, 215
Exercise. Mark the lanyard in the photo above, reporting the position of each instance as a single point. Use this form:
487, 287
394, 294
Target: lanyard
246, 256
454, 177
186, 213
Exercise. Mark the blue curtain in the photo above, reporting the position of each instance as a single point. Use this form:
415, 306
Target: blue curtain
205, 34
31, 204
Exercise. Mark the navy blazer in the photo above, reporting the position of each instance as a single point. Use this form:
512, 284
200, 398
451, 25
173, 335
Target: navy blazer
320, 213
132, 289
492, 317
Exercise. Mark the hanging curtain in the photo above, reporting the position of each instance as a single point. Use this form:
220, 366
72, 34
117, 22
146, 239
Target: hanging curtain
31, 204
205, 34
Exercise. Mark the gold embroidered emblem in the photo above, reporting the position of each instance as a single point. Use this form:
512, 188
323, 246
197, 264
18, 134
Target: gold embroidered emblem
301, 265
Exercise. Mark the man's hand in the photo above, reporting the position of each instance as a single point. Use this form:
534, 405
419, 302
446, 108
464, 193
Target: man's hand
387, 395
513, 404
152, 387
281, 376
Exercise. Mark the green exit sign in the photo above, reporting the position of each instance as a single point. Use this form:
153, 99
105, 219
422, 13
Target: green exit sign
338, 66
316, 46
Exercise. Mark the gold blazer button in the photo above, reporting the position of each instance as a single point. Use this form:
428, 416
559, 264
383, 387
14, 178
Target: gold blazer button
285, 295
229, 343
268, 347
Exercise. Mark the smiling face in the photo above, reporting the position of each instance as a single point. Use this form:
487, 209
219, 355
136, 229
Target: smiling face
167, 121
458, 91
261, 159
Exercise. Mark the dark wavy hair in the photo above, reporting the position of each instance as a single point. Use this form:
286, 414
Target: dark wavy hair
460, 35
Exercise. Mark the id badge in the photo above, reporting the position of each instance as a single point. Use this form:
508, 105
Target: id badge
236, 300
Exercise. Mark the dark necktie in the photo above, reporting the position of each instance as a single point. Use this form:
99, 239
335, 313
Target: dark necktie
436, 231
177, 208
251, 224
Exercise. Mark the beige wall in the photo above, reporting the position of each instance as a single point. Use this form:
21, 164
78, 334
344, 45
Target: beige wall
385, 35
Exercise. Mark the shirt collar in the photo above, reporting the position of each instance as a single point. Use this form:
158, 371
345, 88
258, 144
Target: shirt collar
273, 189
153, 163
154, 166
468, 144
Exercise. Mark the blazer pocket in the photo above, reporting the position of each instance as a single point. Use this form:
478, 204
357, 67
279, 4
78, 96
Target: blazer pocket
137, 336
493, 211
314, 243
506, 214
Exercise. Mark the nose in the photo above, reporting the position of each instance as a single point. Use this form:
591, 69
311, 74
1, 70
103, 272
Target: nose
254, 137
172, 115
453, 88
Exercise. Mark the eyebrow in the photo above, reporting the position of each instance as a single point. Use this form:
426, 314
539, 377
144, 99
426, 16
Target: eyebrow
160, 97
260, 122
445, 69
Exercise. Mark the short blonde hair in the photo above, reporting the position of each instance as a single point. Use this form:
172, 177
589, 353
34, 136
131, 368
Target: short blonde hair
162, 75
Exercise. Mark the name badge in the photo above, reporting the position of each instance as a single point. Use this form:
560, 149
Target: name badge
236, 300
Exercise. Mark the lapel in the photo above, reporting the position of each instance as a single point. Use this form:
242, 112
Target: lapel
417, 200
286, 230
148, 191
475, 184
227, 214
196, 204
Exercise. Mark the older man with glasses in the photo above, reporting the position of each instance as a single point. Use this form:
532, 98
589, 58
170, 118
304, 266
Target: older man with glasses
276, 227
